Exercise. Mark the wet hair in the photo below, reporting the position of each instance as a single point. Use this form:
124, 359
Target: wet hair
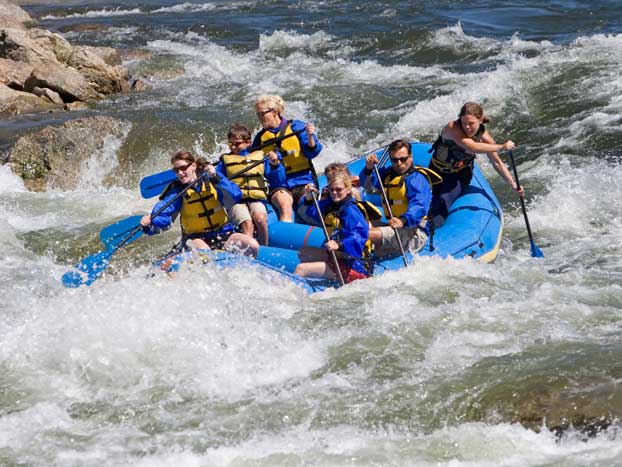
335, 168
182, 156
272, 101
341, 177
399, 144
187, 156
473, 108
239, 131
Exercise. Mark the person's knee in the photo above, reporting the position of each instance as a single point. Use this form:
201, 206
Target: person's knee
260, 218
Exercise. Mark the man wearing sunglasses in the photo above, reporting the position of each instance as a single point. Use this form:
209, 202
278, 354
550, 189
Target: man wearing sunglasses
408, 190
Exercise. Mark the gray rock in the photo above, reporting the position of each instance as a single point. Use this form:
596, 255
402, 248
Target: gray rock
75, 73
13, 102
48, 94
66, 81
14, 74
13, 16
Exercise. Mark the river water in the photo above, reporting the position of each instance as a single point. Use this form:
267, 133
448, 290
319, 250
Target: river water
416, 368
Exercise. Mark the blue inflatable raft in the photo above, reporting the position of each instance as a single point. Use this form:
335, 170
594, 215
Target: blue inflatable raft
473, 228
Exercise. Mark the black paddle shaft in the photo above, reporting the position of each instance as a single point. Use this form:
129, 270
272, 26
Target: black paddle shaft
332, 253
522, 201
390, 212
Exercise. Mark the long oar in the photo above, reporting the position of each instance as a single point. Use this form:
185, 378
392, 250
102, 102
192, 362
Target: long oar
90, 268
390, 212
115, 233
332, 253
152, 185
535, 251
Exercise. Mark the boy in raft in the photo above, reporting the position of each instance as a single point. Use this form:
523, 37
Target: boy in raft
249, 214
348, 228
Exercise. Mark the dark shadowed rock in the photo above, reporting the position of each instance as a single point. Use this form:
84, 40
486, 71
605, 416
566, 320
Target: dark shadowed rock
578, 394
52, 157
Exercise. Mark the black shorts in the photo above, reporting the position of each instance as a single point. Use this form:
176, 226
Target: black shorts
296, 192
215, 240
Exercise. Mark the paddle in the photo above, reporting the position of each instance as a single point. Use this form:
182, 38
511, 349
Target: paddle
332, 253
389, 210
90, 268
535, 251
152, 185
115, 233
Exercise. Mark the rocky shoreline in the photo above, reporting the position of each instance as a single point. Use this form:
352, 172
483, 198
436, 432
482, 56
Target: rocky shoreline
40, 71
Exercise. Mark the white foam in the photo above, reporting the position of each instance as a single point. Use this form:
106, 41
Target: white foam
100, 164
98, 13
280, 40
9, 181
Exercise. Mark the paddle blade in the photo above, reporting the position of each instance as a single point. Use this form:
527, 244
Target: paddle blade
88, 270
535, 251
118, 232
153, 185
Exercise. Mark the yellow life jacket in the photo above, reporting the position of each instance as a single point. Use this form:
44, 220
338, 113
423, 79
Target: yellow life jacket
293, 159
395, 187
370, 212
202, 211
252, 182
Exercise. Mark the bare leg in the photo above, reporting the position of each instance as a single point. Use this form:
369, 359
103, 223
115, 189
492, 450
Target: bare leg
315, 269
310, 254
261, 224
199, 243
247, 228
375, 236
284, 202
242, 243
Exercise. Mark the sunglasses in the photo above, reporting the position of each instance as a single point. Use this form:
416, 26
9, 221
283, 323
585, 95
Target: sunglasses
237, 143
181, 168
263, 112
395, 160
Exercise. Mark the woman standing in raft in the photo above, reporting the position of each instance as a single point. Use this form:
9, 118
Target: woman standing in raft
454, 152
204, 219
296, 152
348, 228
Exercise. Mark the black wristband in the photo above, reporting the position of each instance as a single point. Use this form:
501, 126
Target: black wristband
367, 171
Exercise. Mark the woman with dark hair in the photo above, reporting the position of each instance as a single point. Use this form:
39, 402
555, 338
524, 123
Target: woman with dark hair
203, 217
454, 152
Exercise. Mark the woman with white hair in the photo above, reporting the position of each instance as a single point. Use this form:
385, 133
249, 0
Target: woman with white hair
297, 144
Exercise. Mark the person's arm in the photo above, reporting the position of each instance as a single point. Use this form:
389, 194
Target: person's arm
500, 166
307, 208
155, 225
367, 176
274, 170
221, 169
486, 146
311, 146
227, 191
419, 197
354, 232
